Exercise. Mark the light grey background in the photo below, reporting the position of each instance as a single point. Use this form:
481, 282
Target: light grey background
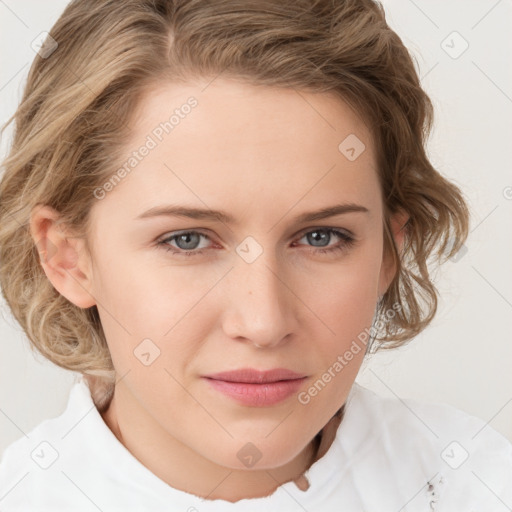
464, 357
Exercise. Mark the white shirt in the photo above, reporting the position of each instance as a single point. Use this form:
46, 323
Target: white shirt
389, 454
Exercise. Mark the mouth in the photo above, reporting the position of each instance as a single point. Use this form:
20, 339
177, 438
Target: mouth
257, 388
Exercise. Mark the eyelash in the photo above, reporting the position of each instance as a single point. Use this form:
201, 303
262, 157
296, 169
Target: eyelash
346, 242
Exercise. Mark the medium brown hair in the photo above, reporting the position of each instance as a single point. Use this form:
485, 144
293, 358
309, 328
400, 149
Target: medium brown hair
77, 105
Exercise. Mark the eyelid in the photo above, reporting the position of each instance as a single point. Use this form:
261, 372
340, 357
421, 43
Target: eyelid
205, 232
345, 231
173, 234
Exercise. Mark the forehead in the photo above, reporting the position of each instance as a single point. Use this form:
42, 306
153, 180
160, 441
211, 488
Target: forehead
244, 116
266, 146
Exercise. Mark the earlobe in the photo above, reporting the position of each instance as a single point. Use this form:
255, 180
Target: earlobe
64, 259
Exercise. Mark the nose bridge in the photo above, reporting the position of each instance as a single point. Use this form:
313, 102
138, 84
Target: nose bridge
261, 307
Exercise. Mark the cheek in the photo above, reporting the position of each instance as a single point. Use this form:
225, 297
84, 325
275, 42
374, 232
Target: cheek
144, 298
154, 318
345, 296
344, 301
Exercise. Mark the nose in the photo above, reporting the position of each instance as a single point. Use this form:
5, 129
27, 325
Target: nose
261, 307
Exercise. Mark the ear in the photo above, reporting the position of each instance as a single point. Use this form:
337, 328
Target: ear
388, 270
64, 258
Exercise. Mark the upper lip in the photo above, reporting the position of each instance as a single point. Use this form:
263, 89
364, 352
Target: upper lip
256, 376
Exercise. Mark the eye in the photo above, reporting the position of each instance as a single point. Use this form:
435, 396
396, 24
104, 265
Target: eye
188, 242
322, 236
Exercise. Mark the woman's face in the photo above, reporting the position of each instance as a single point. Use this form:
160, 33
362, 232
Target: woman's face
258, 287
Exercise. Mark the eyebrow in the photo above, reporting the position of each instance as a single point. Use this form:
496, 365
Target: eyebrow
221, 216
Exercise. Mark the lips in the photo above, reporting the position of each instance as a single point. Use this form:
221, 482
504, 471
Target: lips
250, 375
256, 388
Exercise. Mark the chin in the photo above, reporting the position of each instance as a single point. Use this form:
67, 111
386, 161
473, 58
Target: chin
257, 455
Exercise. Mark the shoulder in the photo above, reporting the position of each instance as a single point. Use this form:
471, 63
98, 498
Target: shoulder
32, 448
463, 452
23, 467
33, 462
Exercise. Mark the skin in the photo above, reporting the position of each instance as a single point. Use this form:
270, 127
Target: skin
264, 155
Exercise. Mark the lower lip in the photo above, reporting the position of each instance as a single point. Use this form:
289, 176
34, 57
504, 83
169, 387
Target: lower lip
257, 395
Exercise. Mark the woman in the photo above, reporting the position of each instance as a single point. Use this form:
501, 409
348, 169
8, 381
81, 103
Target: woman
212, 212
